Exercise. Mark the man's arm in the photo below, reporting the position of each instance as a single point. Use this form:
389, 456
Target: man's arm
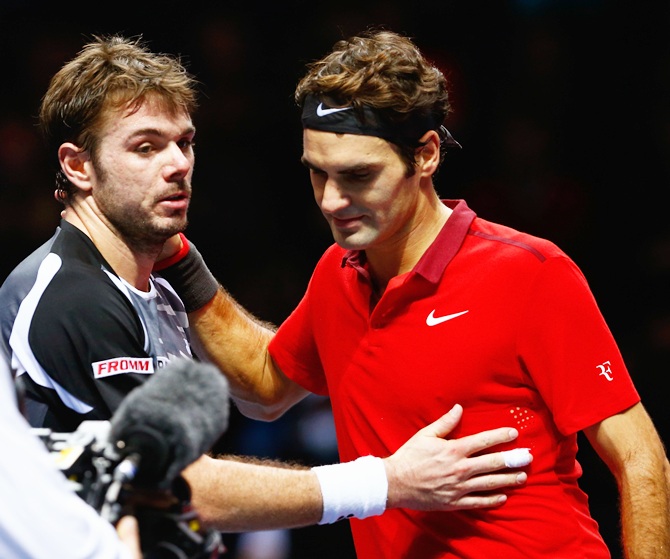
226, 334
238, 343
633, 451
428, 472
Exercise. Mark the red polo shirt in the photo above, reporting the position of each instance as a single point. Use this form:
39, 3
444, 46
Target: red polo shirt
496, 320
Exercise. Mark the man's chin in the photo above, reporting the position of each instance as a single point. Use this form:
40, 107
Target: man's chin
174, 226
351, 241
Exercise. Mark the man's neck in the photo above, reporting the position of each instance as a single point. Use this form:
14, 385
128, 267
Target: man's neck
131, 265
400, 255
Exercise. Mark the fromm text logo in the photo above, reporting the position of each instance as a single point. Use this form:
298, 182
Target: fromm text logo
122, 365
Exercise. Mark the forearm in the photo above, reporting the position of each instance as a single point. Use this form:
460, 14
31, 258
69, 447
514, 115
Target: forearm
235, 341
236, 496
632, 449
239, 494
429, 472
226, 334
645, 515
238, 344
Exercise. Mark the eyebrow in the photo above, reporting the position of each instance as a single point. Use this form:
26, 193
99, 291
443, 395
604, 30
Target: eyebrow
158, 132
347, 170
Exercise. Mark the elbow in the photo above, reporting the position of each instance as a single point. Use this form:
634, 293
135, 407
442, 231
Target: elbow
270, 396
271, 414
263, 409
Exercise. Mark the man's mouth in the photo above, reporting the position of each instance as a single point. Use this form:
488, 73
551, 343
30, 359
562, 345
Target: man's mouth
345, 222
176, 201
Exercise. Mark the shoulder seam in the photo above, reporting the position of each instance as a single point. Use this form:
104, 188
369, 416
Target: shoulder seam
524, 246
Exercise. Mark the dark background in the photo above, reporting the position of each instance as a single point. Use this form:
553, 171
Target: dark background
562, 108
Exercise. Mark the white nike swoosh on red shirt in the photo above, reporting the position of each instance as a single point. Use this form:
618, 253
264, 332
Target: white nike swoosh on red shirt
433, 320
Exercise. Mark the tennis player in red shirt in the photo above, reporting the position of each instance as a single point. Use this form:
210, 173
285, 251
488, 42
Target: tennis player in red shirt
420, 305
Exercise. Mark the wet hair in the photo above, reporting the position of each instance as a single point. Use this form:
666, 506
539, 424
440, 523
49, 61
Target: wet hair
108, 74
383, 71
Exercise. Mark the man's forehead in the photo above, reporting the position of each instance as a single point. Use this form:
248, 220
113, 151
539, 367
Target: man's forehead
342, 141
331, 148
149, 116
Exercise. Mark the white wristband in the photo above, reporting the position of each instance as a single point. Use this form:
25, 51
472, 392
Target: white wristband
354, 489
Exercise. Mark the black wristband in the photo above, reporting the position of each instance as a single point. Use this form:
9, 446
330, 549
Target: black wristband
191, 279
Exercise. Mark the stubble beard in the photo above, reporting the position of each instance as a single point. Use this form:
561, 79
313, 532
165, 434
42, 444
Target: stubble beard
143, 230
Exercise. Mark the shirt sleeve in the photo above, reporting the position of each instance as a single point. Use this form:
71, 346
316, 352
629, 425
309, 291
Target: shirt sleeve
569, 350
294, 348
78, 324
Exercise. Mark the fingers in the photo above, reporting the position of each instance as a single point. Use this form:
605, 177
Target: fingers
492, 482
128, 530
474, 501
171, 247
517, 458
445, 424
477, 491
432, 471
473, 444
486, 464
480, 502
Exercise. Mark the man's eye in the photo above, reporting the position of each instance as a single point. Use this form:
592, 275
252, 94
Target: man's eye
186, 144
144, 148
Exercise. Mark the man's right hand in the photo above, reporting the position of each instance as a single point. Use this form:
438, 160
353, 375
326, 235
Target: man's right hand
171, 247
430, 472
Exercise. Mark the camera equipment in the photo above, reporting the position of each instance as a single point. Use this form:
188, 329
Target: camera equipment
169, 525
132, 464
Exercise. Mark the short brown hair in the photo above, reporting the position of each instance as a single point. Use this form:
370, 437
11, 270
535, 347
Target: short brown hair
384, 71
107, 74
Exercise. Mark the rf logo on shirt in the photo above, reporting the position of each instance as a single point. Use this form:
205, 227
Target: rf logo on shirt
606, 371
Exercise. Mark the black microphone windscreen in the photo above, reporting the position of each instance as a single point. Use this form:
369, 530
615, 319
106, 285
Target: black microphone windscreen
172, 419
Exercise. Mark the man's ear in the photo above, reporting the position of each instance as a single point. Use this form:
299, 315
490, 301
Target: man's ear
76, 164
428, 156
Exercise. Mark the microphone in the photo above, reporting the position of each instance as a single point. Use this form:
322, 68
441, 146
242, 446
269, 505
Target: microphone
169, 421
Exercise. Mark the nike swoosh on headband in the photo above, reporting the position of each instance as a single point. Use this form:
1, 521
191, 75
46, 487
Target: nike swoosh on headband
433, 320
320, 111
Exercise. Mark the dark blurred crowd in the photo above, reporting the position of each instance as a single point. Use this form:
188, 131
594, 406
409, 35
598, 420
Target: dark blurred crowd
562, 108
